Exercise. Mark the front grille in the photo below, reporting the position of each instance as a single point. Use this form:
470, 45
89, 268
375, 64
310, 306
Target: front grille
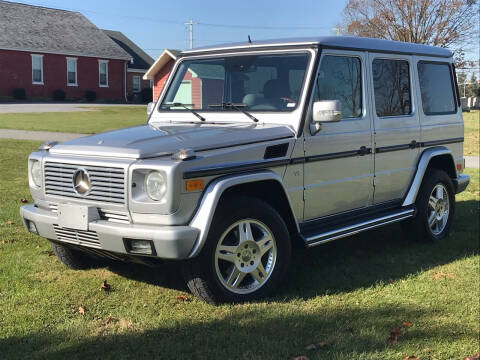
108, 184
79, 237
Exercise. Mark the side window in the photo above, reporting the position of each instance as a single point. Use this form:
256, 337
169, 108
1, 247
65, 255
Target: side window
391, 84
340, 78
436, 88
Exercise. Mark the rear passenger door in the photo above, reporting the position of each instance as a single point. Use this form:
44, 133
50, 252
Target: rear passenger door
396, 125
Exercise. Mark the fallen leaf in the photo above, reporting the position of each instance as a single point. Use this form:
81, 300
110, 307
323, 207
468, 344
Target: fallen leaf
411, 357
394, 335
37, 247
301, 357
82, 310
23, 200
10, 222
182, 298
407, 324
473, 357
311, 347
105, 286
441, 275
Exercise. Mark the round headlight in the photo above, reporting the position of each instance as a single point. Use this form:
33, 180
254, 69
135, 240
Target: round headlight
36, 172
155, 185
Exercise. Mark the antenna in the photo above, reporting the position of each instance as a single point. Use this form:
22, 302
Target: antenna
249, 40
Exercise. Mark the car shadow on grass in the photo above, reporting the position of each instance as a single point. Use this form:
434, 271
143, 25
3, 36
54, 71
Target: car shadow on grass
371, 258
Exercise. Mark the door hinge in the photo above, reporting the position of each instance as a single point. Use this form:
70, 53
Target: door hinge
374, 181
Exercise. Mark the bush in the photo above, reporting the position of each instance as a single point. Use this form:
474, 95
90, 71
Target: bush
59, 95
90, 95
147, 95
19, 94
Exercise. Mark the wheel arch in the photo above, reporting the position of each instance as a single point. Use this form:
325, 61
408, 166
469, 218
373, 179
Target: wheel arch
252, 184
438, 157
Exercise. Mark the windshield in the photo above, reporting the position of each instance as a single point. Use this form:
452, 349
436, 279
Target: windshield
254, 82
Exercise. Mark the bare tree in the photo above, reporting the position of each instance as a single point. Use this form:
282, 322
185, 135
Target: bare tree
446, 23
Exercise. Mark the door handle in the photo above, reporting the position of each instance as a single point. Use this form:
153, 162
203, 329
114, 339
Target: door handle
364, 151
413, 144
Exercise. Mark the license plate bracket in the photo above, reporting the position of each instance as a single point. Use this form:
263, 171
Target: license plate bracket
76, 216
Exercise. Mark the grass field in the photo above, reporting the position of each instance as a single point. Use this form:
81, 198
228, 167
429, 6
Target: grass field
346, 297
472, 133
86, 122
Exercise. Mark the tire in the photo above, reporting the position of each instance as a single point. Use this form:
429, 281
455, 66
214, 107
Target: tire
73, 259
245, 257
419, 228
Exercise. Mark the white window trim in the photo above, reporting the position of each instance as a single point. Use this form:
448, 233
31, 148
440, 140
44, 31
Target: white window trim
76, 70
99, 63
139, 83
41, 67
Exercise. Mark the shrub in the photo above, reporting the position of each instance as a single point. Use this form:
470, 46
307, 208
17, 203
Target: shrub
59, 95
147, 95
19, 94
90, 95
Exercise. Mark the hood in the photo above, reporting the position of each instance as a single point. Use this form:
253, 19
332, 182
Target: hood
148, 141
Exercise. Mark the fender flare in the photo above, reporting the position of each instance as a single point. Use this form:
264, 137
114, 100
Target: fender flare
422, 166
211, 196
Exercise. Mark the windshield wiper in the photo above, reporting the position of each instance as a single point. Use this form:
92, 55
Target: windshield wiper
185, 106
227, 105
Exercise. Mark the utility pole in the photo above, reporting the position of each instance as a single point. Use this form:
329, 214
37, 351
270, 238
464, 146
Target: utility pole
190, 25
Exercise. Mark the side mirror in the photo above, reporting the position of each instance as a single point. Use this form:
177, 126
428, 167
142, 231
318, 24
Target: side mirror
150, 107
325, 111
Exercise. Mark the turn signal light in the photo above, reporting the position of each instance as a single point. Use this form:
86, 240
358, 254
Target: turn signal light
194, 185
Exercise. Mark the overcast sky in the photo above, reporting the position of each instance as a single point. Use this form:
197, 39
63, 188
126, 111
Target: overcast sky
155, 25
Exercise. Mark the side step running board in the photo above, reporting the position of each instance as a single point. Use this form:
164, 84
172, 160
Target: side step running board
323, 237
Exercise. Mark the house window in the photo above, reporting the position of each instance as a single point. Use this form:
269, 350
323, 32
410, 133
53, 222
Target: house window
37, 69
103, 73
136, 84
71, 71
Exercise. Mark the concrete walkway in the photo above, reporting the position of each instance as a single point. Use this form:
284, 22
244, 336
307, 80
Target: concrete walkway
53, 107
37, 135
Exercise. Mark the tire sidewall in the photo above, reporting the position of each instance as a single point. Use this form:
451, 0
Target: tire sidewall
246, 208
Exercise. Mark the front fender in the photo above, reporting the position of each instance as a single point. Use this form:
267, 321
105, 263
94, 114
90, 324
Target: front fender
422, 166
206, 210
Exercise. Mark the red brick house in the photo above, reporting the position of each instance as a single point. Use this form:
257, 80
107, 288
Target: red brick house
197, 84
136, 68
43, 50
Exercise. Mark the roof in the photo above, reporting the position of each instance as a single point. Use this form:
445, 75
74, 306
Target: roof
141, 60
341, 42
40, 29
163, 59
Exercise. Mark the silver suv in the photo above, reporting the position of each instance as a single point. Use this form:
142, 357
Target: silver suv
254, 146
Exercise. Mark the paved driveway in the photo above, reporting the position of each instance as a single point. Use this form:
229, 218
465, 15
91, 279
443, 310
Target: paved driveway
52, 107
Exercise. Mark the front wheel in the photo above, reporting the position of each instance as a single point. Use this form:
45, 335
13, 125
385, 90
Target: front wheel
246, 254
435, 208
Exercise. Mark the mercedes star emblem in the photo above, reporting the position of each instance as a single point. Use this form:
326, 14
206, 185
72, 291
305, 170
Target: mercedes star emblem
81, 182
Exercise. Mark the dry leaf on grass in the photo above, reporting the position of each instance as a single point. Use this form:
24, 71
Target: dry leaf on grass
407, 324
394, 336
312, 347
182, 298
473, 357
411, 357
301, 357
24, 201
105, 286
9, 222
82, 310
441, 275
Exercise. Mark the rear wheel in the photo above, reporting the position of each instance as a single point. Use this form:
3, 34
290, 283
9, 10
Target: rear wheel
435, 208
246, 254
73, 259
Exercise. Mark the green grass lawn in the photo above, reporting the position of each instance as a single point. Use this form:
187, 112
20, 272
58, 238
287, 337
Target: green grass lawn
87, 122
472, 133
346, 296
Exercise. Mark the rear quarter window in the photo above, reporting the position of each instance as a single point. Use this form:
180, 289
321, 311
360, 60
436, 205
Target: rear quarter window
436, 87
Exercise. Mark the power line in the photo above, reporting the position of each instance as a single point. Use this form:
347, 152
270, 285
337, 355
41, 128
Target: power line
264, 27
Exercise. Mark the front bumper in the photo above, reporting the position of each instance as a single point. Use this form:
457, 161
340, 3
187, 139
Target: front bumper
170, 242
461, 182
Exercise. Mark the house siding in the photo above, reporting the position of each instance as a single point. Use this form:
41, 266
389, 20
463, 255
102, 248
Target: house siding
143, 84
16, 72
160, 79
